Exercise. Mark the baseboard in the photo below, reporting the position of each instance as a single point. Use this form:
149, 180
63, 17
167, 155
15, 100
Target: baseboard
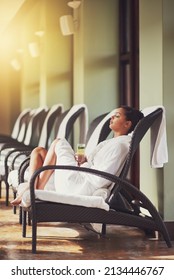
170, 228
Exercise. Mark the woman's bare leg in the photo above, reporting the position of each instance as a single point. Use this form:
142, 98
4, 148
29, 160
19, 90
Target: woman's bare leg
40, 157
48, 158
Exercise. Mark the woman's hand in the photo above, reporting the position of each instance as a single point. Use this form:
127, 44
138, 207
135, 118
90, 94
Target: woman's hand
80, 159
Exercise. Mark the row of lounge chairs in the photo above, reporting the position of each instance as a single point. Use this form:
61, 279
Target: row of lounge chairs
127, 205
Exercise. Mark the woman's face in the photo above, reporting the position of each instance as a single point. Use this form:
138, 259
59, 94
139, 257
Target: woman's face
118, 122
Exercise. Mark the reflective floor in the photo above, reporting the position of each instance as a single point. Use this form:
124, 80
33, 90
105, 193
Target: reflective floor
62, 241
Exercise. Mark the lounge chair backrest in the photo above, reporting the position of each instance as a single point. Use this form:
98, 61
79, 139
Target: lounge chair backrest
56, 126
137, 135
98, 131
139, 132
24, 125
66, 126
34, 126
18, 123
52, 115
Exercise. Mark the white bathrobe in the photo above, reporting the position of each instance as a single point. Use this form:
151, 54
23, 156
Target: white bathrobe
108, 156
75, 187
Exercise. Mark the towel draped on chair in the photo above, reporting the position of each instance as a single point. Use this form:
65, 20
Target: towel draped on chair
159, 150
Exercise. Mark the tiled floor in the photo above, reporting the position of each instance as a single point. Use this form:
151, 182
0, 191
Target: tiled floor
72, 242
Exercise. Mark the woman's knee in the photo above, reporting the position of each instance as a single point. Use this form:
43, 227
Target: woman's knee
38, 151
53, 144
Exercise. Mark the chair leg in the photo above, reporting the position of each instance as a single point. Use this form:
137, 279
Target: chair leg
103, 229
0, 189
34, 237
7, 193
149, 233
24, 224
14, 210
14, 207
29, 218
20, 215
166, 236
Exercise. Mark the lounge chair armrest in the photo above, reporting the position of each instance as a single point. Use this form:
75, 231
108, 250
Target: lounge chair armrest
18, 154
105, 175
11, 145
22, 168
14, 150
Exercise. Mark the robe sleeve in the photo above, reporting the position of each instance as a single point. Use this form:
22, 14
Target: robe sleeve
111, 159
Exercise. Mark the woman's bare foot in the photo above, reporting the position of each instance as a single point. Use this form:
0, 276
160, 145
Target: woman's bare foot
16, 201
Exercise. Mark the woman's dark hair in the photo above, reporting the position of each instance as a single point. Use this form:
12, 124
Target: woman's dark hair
132, 115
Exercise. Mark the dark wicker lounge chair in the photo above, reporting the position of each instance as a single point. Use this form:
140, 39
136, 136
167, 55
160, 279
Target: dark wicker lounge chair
98, 131
18, 131
65, 122
30, 140
16, 156
125, 201
4, 138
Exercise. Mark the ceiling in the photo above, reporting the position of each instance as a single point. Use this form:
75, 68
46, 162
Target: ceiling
8, 9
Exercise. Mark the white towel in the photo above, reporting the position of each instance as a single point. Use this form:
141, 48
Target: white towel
81, 200
159, 150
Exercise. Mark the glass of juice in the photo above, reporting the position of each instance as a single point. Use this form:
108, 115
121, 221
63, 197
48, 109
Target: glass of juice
80, 155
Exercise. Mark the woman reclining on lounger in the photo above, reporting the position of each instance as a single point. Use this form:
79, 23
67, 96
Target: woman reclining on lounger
108, 156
